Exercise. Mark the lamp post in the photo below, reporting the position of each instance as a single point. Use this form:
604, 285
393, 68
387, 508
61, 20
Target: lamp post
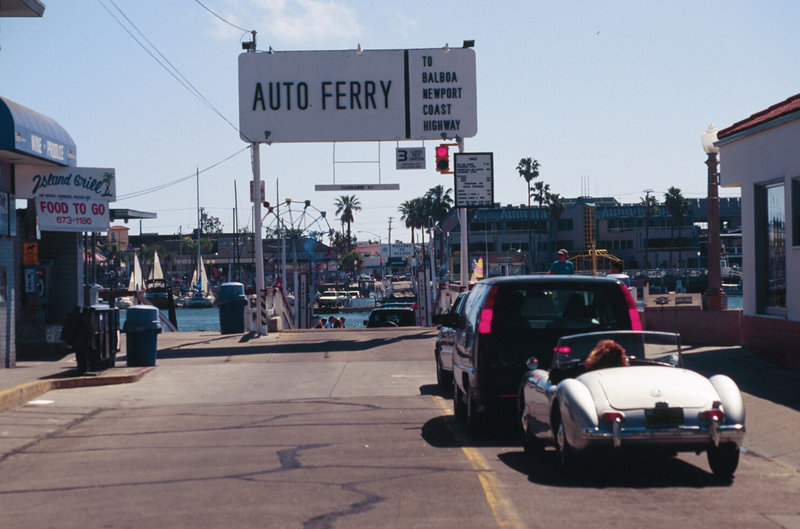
714, 297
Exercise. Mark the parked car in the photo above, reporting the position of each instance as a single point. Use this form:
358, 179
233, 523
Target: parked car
391, 317
646, 401
506, 320
443, 350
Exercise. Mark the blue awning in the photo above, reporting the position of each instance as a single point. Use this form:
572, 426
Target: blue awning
24, 131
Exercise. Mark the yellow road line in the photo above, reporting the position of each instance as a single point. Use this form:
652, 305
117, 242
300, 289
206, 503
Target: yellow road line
503, 510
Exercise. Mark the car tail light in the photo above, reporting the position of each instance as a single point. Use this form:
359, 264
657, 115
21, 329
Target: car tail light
485, 325
710, 415
564, 350
612, 416
633, 311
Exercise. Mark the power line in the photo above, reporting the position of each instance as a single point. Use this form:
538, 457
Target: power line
179, 180
201, 4
172, 70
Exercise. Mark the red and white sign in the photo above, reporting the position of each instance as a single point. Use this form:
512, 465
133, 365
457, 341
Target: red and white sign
72, 214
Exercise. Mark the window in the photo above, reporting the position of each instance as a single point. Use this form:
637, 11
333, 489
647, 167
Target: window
770, 248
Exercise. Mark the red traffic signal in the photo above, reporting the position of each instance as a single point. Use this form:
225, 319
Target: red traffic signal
443, 159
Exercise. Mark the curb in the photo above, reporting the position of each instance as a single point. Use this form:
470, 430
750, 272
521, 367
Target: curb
11, 398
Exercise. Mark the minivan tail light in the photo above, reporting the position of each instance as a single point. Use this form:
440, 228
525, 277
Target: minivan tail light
633, 311
485, 325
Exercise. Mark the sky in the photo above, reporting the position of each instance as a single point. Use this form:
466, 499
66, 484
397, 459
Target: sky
610, 97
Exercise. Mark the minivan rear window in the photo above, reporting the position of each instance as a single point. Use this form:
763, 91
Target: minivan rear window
526, 307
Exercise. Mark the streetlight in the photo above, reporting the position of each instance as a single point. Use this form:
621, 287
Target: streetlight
715, 298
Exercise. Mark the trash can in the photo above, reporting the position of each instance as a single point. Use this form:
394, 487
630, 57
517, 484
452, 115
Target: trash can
91, 333
141, 327
231, 302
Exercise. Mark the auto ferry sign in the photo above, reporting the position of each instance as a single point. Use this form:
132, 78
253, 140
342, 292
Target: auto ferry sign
68, 198
316, 96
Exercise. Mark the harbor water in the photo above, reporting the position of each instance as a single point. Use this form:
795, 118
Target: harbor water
208, 319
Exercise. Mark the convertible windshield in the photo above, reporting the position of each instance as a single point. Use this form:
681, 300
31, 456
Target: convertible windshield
641, 347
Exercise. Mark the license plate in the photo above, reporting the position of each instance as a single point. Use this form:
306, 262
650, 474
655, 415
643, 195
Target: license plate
663, 417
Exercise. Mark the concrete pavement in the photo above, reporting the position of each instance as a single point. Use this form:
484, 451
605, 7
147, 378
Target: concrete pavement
772, 395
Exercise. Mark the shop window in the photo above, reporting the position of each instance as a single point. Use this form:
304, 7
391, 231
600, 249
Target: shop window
770, 248
796, 212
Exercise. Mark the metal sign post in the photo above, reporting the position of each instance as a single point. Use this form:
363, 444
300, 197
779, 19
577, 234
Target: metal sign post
261, 323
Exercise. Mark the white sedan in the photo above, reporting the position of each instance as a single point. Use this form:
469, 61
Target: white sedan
650, 401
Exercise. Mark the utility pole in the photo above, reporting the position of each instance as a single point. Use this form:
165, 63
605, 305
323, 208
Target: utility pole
390, 249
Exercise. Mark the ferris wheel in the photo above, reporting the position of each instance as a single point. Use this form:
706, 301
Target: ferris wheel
296, 220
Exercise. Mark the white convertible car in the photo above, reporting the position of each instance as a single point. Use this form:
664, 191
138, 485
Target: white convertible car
651, 402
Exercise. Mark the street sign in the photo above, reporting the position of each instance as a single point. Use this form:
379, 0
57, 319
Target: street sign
31, 181
397, 250
410, 158
71, 214
474, 180
356, 187
350, 95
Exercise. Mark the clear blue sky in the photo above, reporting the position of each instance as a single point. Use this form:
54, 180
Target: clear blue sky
614, 93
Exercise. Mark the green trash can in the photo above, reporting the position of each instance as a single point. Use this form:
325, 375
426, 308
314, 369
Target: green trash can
231, 302
141, 328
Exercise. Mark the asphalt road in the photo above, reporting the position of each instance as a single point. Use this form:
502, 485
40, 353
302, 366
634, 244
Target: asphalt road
344, 430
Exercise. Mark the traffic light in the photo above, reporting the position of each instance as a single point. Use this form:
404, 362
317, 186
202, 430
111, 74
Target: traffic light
443, 159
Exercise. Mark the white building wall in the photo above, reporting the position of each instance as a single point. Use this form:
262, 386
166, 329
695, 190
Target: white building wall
760, 158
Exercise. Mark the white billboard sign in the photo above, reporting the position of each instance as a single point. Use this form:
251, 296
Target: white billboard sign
397, 250
410, 158
474, 180
32, 181
347, 95
72, 214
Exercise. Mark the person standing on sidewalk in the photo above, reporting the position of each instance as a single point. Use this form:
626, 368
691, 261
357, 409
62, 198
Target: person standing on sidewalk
562, 266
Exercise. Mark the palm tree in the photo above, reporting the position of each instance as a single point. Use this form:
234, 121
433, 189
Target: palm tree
413, 214
539, 195
528, 168
346, 205
650, 204
678, 207
439, 202
555, 208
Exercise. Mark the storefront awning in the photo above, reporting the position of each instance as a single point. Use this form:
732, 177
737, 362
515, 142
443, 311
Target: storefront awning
21, 8
28, 137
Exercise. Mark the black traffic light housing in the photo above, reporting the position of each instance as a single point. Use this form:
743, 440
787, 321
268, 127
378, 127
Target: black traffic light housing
443, 159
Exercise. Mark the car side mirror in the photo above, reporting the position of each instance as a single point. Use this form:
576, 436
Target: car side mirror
450, 319
532, 363
437, 319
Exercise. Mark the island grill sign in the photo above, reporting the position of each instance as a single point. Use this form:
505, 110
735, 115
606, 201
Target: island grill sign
68, 198
319, 96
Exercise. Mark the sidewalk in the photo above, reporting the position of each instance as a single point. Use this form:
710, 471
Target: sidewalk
772, 395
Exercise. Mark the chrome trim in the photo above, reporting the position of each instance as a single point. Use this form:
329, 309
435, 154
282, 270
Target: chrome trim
616, 432
714, 430
463, 367
682, 434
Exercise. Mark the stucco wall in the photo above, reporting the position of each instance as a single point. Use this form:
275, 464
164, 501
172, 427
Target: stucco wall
755, 159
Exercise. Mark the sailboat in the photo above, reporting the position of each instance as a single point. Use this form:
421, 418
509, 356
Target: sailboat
134, 285
202, 295
156, 285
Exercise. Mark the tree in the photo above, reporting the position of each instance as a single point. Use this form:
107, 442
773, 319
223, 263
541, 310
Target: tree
351, 262
412, 213
439, 202
678, 207
555, 208
650, 204
528, 168
539, 195
209, 223
346, 205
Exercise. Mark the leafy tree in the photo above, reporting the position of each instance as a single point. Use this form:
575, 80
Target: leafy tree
650, 204
678, 207
439, 202
209, 223
346, 205
528, 168
539, 194
351, 262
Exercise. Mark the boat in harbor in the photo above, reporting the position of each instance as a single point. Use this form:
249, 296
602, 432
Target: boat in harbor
202, 297
156, 286
134, 285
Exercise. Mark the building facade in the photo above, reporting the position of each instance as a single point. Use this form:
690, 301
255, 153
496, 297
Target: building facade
761, 156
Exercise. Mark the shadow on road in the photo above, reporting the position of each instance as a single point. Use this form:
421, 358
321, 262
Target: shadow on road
751, 373
629, 470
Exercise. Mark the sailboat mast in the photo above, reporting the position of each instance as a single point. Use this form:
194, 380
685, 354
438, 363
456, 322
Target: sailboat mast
199, 228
